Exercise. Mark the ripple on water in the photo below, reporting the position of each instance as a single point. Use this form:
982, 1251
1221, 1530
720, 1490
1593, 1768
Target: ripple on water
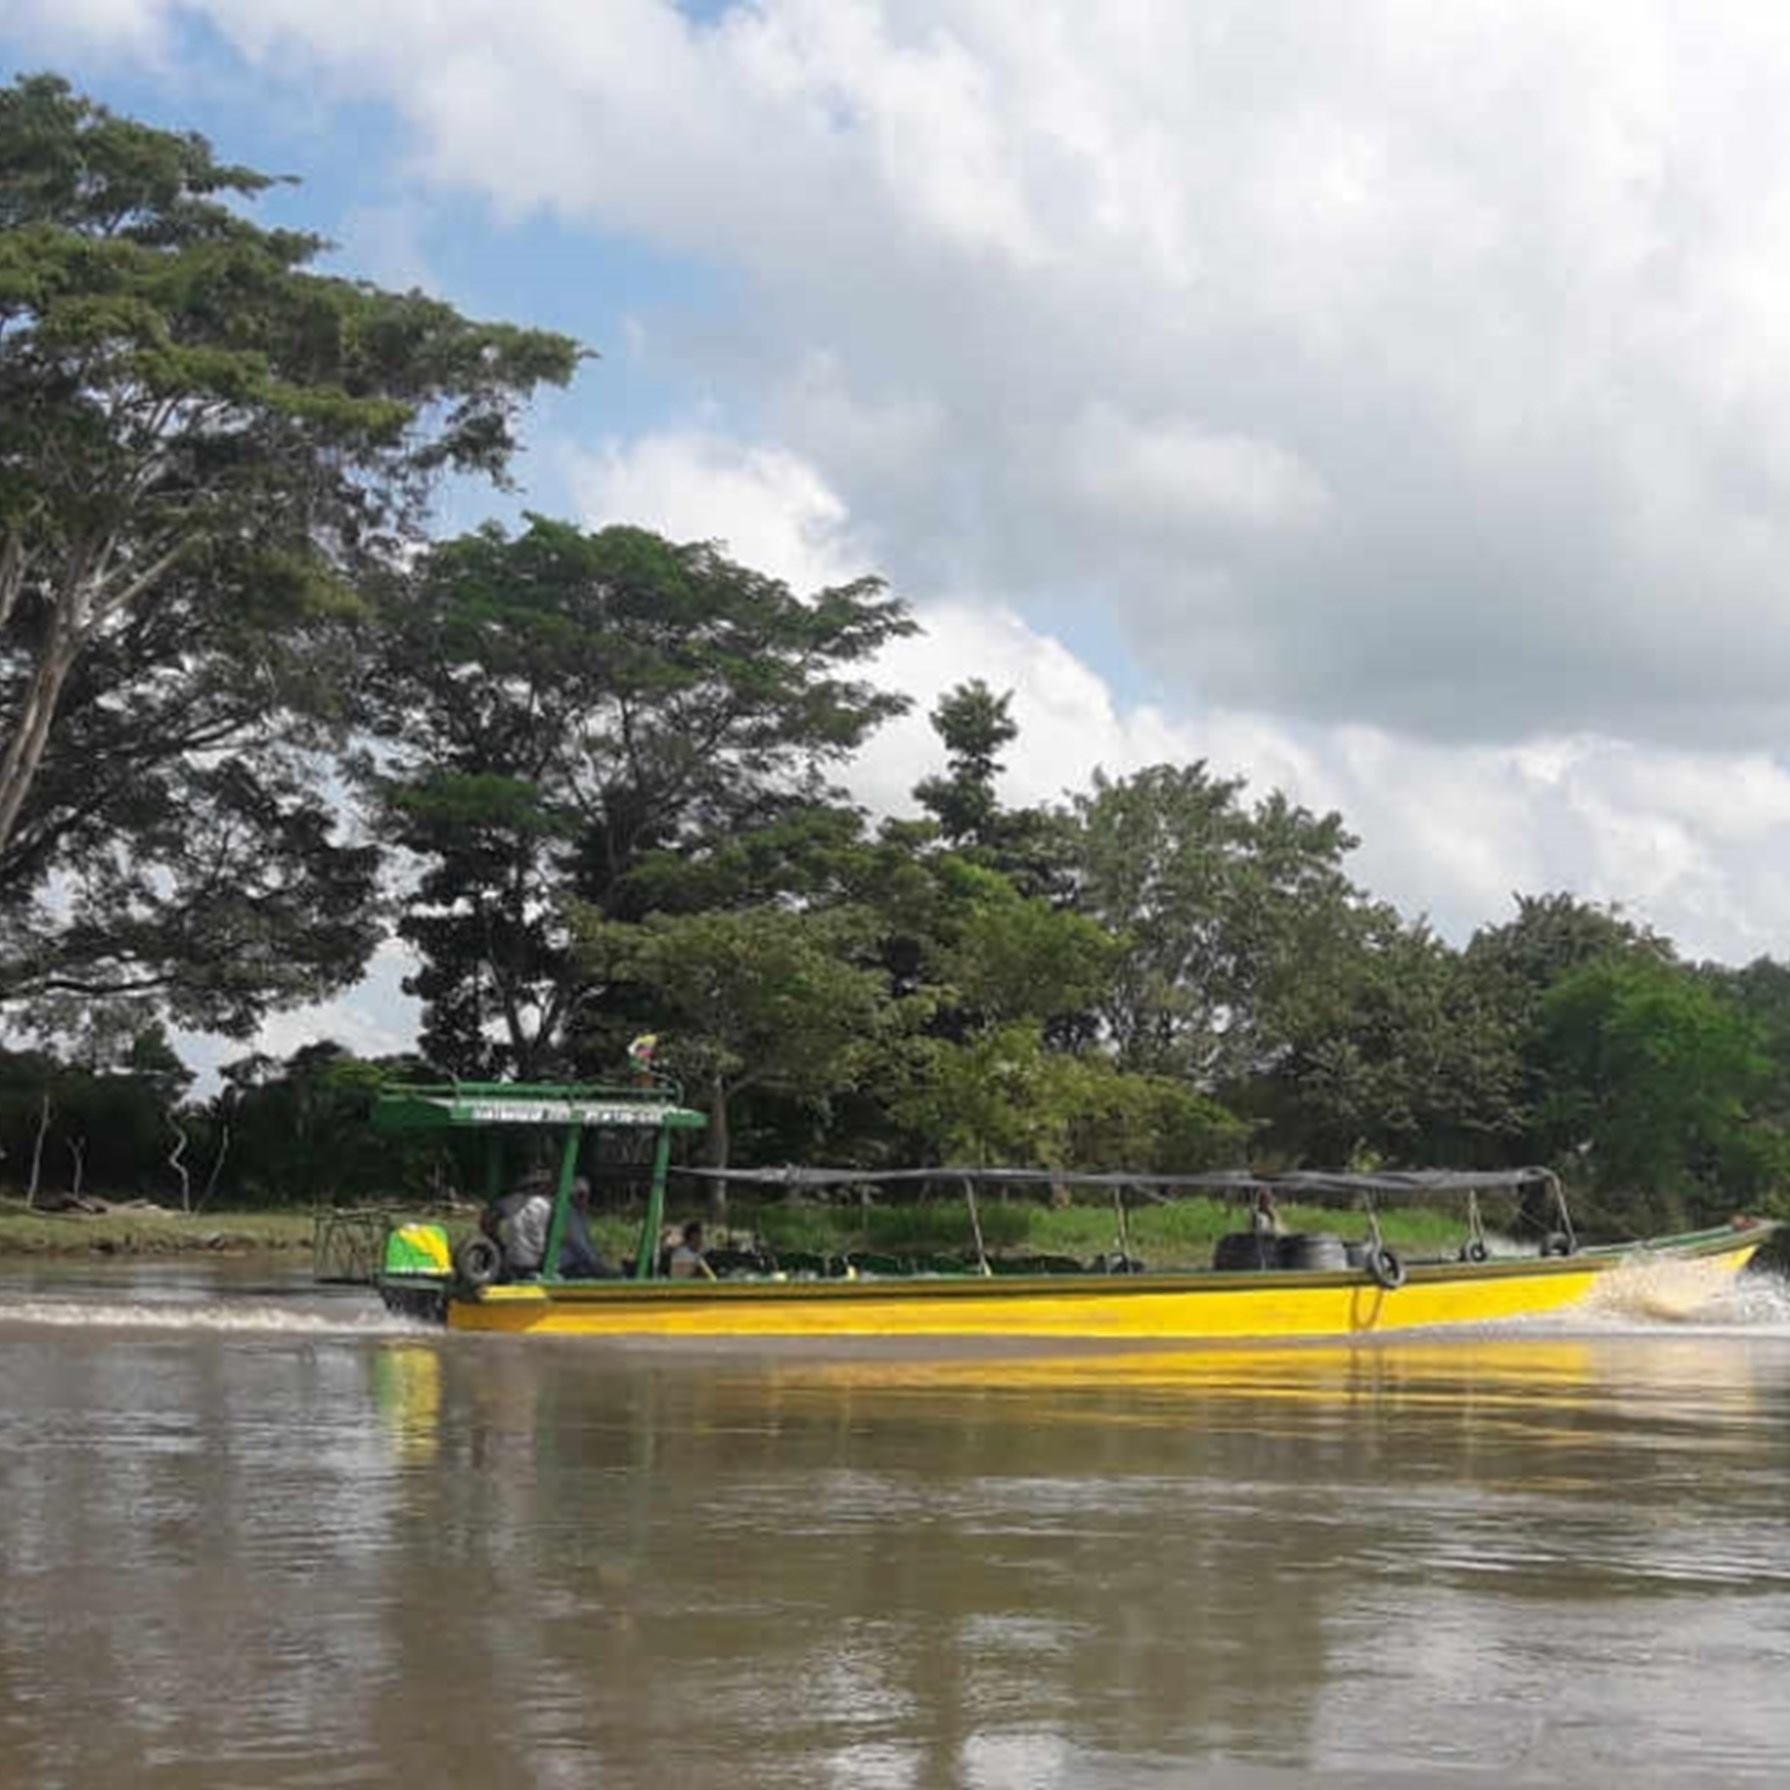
376, 1556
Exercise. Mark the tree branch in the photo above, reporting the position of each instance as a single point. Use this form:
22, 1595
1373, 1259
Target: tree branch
15, 562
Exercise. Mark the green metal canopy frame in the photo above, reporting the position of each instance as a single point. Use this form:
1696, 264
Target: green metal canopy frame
410, 1106
653, 1103
1318, 1185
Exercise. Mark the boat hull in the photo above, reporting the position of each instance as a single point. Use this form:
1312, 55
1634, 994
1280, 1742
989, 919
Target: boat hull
1149, 1307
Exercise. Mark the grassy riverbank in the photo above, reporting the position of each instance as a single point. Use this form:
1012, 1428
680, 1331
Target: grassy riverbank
148, 1231
1177, 1233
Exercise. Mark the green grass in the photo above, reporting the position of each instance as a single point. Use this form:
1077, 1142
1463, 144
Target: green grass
1178, 1233
1181, 1233
123, 1231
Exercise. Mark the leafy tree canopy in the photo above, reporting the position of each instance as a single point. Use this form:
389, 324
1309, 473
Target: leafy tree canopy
1388, 1048
1027, 844
567, 715
1648, 1073
205, 447
1226, 912
1003, 1096
764, 997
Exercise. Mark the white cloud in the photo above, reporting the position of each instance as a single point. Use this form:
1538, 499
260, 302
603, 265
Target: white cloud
768, 508
1419, 368
1179, 474
1691, 841
1405, 390
119, 27
376, 1018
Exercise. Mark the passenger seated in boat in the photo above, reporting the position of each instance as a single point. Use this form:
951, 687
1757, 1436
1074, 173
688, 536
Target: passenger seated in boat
686, 1261
578, 1258
518, 1225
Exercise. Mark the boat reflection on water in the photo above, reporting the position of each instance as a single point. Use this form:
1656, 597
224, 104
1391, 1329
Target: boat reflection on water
406, 1388
291, 1552
1608, 1365
1535, 1368
1483, 1386
1403, 1552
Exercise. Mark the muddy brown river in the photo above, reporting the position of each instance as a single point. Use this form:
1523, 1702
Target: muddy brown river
256, 1535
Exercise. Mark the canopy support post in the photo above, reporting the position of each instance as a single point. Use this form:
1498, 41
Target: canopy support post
1572, 1241
969, 1193
562, 1198
1475, 1221
1124, 1223
646, 1258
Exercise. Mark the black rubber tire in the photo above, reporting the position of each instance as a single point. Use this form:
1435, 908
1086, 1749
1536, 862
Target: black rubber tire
1557, 1243
1385, 1268
1113, 1262
1474, 1250
478, 1262
1245, 1252
1313, 1252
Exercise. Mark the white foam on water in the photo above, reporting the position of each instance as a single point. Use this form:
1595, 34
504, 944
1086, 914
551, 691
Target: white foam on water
1660, 1297
1754, 1302
250, 1317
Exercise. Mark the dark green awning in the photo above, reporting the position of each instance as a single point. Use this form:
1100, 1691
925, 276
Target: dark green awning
483, 1104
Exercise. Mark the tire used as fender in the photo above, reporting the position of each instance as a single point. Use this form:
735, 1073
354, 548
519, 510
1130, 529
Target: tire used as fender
1384, 1267
478, 1262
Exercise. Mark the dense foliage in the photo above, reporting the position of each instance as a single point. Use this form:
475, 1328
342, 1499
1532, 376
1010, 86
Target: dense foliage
208, 450
253, 721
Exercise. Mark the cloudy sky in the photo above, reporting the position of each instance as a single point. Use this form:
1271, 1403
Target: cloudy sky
1387, 401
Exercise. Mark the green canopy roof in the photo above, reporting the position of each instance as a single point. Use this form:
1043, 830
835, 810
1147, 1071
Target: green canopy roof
470, 1104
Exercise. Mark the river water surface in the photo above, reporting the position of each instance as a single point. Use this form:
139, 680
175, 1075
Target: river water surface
254, 1535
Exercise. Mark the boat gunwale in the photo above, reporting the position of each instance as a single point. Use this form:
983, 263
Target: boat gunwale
1689, 1245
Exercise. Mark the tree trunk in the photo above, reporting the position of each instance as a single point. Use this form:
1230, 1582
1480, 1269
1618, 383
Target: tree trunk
217, 1167
77, 1148
37, 1151
31, 731
179, 1167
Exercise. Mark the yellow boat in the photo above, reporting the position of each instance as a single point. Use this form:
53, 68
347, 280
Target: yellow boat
1252, 1294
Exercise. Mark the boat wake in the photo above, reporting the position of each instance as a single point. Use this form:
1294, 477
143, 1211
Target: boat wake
236, 1317
1659, 1296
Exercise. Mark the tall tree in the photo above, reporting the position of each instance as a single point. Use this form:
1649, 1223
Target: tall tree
1007, 957
766, 997
1003, 1096
1762, 992
205, 446
975, 726
1647, 1075
561, 710
1225, 910
1550, 935
1514, 966
1390, 1047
